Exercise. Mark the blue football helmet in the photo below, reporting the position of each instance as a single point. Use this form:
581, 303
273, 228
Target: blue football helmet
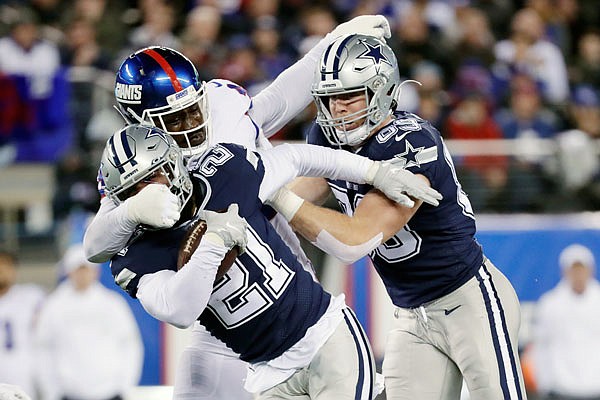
159, 86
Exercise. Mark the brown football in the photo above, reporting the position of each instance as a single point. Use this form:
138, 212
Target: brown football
190, 242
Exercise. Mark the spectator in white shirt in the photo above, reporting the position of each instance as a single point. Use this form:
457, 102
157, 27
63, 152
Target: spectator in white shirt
89, 343
19, 305
566, 347
526, 51
24, 53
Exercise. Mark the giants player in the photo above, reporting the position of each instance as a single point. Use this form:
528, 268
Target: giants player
159, 86
298, 339
457, 316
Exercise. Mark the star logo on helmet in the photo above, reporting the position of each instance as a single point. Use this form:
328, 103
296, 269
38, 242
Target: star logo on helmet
156, 132
375, 54
410, 155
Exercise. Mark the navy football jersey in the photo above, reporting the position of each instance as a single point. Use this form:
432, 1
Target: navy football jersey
436, 252
266, 302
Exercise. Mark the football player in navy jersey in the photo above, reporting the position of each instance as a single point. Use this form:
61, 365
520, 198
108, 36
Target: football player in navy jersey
160, 86
457, 316
298, 339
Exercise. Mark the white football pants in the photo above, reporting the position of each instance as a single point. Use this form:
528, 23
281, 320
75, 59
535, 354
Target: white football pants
470, 333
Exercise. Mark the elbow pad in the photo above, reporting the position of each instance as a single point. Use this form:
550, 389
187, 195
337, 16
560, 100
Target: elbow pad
346, 253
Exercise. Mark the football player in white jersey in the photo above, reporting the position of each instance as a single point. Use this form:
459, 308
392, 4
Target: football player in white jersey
457, 316
159, 86
19, 306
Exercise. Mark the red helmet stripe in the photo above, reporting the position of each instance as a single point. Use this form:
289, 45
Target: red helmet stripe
166, 67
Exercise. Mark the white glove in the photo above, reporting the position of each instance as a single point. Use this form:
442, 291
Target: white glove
371, 25
154, 205
226, 229
397, 183
12, 392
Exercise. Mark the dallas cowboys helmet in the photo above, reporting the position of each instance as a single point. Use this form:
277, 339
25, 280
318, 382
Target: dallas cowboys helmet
136, 154
353, 65
161, 87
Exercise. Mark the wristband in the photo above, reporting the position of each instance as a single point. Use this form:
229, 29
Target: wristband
286, 203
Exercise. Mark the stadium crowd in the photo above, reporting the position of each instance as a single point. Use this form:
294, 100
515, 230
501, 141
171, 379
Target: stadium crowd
489, 69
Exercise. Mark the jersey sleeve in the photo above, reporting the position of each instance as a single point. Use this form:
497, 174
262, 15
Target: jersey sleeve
108, 232
147, 253
231, 174
413, 141
147, 270
231, 122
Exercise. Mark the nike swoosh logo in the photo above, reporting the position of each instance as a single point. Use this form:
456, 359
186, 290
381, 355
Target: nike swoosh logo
448, 312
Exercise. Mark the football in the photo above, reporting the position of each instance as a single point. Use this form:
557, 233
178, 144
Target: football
190, 242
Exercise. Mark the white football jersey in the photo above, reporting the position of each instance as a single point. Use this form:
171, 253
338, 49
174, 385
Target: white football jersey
18, 311
229, 105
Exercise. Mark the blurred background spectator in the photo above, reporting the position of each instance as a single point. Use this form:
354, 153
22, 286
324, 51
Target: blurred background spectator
567, 331
528, 51
89, 345
19, 306
526, 120
471, 119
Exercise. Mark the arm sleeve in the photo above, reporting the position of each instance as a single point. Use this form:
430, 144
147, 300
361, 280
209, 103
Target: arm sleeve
179, 298
108, 232
289, 93
288, 161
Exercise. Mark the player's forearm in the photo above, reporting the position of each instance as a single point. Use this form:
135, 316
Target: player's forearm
315, 190
346, 238
179, 298
374, 221
108, 232
310, 220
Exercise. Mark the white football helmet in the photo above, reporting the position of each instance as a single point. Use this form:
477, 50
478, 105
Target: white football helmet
356, 64
137, 152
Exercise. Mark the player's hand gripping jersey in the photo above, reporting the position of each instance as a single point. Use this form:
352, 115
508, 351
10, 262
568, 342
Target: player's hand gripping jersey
422, 249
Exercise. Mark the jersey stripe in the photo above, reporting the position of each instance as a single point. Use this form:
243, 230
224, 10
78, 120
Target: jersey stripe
509, 377
121, 151
366, 372
332, 64
336, 62
166, 67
